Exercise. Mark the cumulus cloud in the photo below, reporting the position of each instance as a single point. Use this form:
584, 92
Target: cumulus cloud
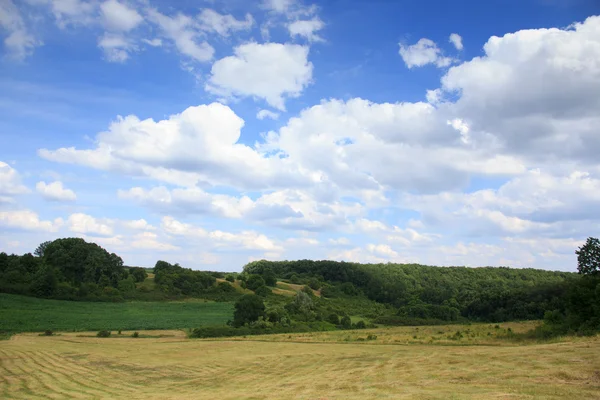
10, 182
456, 40
28, 220
55, 191
248, 240
83, 223
424, 52
167, 150
270, 71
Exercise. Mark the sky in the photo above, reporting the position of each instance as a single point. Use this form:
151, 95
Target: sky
214, 133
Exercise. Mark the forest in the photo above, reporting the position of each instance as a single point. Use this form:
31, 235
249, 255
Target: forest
329, 293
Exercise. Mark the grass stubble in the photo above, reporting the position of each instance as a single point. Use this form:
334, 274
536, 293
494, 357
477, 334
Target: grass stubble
483, 362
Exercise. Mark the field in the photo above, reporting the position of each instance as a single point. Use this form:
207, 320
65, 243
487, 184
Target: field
28, 314
307, 366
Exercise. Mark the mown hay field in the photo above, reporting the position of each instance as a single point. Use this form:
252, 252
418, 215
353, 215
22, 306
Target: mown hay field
28, 314
174, 367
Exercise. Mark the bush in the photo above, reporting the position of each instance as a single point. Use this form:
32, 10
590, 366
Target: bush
372, 337
135, 335
230, 278
360, 325
295, 279
47, 332
254, 282
333, 319
225, 287
262, 291
103, 334
346, 322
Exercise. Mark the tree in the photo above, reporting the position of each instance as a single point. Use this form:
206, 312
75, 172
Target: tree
230, 278
270, 278
248, 309
262, 291
255, 281
39, 251
588, 257
139, 274
346, 322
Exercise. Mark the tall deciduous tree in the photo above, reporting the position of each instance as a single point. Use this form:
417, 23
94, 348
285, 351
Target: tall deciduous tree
248, 309
588, 257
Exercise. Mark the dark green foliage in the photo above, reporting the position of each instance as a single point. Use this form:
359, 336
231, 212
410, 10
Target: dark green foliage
176, 280
314, 283
48, 332
126, 285
230, 278
333, 319
588, 257
295, 279
44, 282
138, 274
225, 287
346, 322
440, 293
135, 334
248, 309
255, 281
248, 330
262, 291
103, 334
39, 251
360, 325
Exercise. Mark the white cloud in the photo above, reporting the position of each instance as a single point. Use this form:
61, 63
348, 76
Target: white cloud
534, 93
306, 29
262, 114
248, 240
83, 223
138, 225
73, 12
424, 52
28, 220
212, 21
10, 181
20, 42
149, 241
55, 191
183, 31
270, 71
116, 47
456, 40
119, 17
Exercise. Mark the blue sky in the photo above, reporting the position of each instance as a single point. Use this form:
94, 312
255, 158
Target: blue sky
215, 133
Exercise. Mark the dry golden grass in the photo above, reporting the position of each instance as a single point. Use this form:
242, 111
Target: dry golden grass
69, 366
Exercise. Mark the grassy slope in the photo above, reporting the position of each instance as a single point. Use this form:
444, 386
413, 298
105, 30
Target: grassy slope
25, 314
175, 368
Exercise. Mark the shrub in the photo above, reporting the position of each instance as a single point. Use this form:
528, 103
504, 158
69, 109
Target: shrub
255, 281
262, 291
295, 279
230, 278
333, 319
225, 287
135, 335
372, 337
346, 322
360, 325
103, 334
119, 331
48, 332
